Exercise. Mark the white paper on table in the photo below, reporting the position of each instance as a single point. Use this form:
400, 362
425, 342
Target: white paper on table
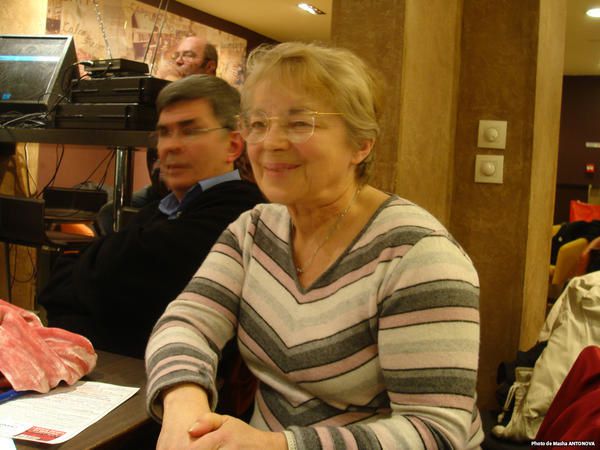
62, 413
7, 444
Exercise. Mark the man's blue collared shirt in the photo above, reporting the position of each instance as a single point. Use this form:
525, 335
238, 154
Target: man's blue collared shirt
173, 208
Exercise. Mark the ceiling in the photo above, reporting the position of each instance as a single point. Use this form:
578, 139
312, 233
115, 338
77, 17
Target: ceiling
582, 43
282, 20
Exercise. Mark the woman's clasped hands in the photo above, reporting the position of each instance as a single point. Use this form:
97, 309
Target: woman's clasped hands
213, 431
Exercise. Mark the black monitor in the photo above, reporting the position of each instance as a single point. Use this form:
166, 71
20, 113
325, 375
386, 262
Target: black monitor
35, 71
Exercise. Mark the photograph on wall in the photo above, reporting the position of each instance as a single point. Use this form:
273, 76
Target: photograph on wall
133, 30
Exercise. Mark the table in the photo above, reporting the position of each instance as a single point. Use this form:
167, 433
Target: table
126, 427
124, 142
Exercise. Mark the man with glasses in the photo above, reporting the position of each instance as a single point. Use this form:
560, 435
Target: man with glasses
115, 290
194, 55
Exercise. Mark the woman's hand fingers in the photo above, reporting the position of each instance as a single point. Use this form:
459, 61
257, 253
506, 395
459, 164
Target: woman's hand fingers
205, 424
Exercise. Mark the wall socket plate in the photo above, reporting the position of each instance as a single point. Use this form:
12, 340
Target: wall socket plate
489, 169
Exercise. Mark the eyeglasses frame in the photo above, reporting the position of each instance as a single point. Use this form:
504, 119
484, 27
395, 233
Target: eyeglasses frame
313, 115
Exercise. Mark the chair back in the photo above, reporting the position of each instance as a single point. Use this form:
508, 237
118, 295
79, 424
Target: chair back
584, 260
567, 260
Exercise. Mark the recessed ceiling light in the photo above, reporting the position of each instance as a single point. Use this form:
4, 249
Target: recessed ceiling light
594, 12
310, 9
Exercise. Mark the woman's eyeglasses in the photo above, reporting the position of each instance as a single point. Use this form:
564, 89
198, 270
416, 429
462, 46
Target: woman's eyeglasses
298, 126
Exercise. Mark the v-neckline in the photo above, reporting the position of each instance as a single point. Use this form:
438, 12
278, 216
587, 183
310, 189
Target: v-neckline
306, 289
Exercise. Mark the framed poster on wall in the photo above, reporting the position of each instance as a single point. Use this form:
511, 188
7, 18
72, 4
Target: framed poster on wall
134, 30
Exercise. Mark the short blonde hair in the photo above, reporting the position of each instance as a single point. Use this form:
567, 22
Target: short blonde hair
335, 75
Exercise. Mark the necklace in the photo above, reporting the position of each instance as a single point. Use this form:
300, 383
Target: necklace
334, 227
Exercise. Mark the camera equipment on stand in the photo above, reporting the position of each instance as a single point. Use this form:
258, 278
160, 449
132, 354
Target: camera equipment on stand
120, 95
142, 89
115, 67
106, 116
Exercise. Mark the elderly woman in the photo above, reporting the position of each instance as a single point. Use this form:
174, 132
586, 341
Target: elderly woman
355, 309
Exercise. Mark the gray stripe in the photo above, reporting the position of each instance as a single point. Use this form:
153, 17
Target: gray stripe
432, 381
365, 437
306, 438
306, 355
214, 291
168, 351
435, 294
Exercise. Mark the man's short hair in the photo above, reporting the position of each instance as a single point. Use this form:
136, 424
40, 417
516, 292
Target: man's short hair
224, 98
211, 54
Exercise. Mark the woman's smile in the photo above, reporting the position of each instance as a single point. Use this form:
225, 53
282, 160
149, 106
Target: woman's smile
279, 168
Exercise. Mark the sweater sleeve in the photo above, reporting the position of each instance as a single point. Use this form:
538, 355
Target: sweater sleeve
428, 345
186, 342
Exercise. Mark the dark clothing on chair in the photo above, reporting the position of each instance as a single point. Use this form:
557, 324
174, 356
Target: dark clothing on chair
115, 290
573, 230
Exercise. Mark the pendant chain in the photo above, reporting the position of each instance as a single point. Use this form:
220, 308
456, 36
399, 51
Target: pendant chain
334, 227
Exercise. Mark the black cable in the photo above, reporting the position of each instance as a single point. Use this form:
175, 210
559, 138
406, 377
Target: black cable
28, 173
103, 178
109, 155
56, 168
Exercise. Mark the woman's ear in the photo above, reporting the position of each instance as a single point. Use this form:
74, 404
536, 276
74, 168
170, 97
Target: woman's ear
236, 146
363, 151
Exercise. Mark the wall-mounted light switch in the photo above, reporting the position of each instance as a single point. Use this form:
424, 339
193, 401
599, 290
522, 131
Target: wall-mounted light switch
489, 169
492, 134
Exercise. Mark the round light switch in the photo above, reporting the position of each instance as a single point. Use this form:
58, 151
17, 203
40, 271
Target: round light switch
488, 169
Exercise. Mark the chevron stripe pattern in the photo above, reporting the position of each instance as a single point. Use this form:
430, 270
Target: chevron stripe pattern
380, 352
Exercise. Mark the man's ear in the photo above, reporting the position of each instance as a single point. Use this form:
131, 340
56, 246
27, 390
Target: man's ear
363, 151
236, 146
210, 67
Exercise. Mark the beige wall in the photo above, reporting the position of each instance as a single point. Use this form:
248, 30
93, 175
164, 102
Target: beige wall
451, 63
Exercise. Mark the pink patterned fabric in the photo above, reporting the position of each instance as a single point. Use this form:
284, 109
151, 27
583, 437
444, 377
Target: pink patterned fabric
36, 358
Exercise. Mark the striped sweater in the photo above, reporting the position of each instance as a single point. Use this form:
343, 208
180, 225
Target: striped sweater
381, 351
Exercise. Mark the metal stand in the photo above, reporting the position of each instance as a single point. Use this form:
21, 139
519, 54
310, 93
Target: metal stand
123, 183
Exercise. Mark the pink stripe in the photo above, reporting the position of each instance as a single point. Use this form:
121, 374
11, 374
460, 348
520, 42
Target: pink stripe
428, 360
426, 436
437, 400
212, 305
336, 368
158, 373
348, 439
417, 274
227, 250
453, 313
269, 266
258, 351
326, 440
194, 325
344, 282
181, 361
268, 417
342, 419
